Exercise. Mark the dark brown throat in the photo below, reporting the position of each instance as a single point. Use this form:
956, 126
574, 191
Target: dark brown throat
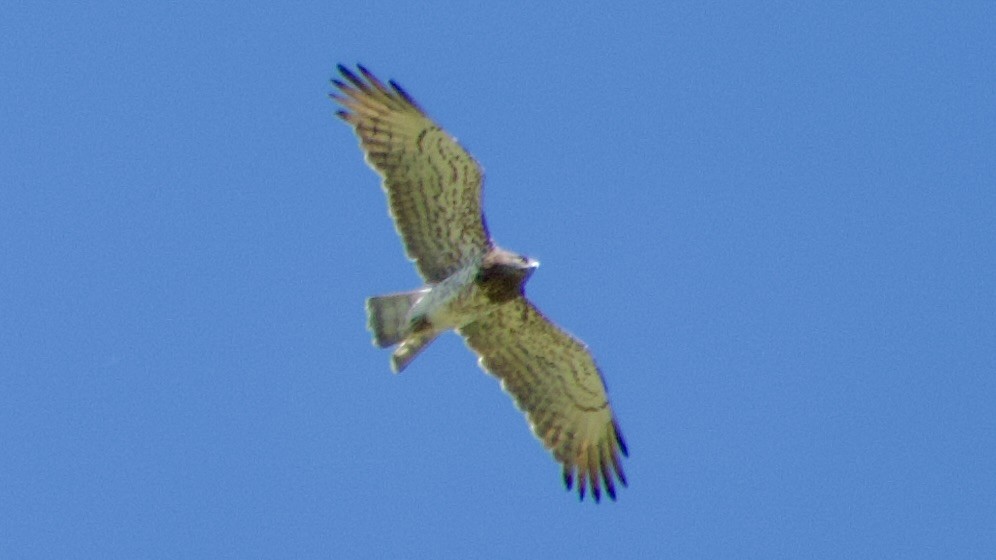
500, 283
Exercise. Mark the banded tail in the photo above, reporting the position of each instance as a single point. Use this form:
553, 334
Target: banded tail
388, 321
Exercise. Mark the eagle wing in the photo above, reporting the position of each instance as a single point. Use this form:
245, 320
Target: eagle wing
433, 185
554, 380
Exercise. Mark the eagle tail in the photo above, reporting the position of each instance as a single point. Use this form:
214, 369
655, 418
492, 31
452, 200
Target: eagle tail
387, 317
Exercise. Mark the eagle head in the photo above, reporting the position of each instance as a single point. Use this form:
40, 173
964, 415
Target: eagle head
504, 273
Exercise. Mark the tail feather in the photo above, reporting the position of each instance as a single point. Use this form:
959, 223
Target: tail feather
387, 317
389, 322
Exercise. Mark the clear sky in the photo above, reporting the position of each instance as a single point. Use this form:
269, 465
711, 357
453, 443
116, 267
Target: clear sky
774, 226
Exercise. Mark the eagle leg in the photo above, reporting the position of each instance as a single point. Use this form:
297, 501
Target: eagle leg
410, 348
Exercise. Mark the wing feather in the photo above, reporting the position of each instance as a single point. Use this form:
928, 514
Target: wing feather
553, 379
432, 184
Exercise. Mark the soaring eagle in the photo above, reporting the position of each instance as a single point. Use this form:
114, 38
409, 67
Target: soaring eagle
433, 187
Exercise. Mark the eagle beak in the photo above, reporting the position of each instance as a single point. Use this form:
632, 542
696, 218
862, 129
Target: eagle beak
530, 268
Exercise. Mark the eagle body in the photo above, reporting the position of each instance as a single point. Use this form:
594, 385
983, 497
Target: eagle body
415, 318
474, 287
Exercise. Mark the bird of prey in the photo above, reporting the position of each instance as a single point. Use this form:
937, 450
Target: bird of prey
433, 188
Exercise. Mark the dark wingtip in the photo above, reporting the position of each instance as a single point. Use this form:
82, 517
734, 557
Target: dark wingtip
351, 77
611, 491
619, 439
345, 73
401, 91
610, 488
568, 479
617, 467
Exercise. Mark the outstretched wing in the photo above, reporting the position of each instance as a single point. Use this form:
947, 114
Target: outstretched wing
554, 380
433, 185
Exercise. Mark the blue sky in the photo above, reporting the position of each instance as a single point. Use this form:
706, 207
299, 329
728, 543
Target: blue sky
773, 225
